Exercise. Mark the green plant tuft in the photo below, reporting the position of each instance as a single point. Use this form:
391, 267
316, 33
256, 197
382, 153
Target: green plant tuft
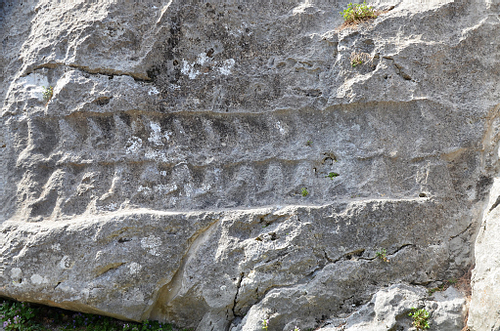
304, 192
331, 175
420, 318
48, 93
382, 254
358, 12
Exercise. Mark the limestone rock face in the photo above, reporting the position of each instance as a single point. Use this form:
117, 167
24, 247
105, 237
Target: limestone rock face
388, 310
217, 164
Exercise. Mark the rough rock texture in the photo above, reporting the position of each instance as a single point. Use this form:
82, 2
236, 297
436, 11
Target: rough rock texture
485, 310
388, 310
185, 167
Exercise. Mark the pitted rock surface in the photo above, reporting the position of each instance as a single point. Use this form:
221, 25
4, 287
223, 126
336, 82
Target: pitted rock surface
216, 164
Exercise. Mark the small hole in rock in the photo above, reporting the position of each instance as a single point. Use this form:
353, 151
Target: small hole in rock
422, 195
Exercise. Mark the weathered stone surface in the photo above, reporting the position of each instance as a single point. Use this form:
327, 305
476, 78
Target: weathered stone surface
164, 178
389, 310
484, 313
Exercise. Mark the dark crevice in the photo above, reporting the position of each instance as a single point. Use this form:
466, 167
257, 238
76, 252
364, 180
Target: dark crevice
327, 257
401, 248
238, 285
102, 101
100, 71
399, 69
462, 232
401, 73
497, 202
356, 254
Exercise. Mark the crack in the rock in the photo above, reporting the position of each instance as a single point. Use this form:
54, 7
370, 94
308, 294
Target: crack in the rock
462, 232
401, 73
497, 202
86, 69
238, 286
359, 252
327, 257
401, 248
399, 68
350, 255
319, 268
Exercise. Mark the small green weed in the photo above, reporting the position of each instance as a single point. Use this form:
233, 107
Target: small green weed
304, 192
331, 175
383, 255
358, 12
420, 318
48, 93
309, 143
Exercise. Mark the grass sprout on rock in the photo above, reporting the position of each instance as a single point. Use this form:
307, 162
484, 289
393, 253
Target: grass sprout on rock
420, 318
48, 92
382, 255
332, 175
356, 13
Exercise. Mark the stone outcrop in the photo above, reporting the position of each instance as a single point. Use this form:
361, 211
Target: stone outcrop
388, 310
215, 164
